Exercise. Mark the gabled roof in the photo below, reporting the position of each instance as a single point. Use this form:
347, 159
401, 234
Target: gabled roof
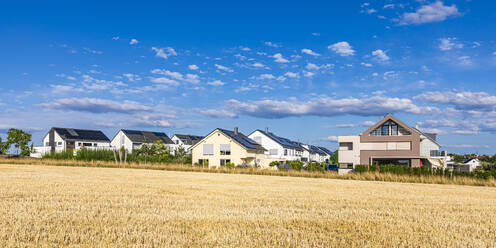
286, 143
81, 134
242, 140
315, 149
146, 136
388, 117
189, 139
326, 150
469, 159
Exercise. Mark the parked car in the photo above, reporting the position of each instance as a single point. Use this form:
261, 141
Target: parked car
332, 167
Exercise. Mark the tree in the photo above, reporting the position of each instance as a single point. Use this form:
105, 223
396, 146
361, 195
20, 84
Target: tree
4, 146
334, 158
20, 140
180, 154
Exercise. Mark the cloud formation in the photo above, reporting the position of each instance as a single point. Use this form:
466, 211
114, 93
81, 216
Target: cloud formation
325, 106
164, 52
342, 48
95, 105
434, 12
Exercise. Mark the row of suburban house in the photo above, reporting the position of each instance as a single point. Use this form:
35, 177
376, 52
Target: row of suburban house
216, 149
389, 141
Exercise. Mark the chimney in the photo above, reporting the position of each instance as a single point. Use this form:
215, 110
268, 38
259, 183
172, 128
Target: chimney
267, 130
235, 130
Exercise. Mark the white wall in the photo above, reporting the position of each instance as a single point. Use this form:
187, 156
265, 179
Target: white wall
347, 156
269, 144
121, 140
59, 142
426, 145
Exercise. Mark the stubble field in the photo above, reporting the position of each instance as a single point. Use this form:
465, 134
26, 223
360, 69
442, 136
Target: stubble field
44, 206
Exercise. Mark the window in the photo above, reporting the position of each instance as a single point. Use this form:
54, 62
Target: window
87, 144
385, 130
225, 149
208, 149
79, 144
177, 142
95, 144
394, 130
59, 143
345, 146
203, 162
47, 143
273, 152
223, 162
285, 152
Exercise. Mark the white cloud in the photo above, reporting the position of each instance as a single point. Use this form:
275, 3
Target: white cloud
311, 66
465, 132
191, 78
279, 58
216, 83
434, 12
281, 79
309, 52
308, 74
292, 74
217, 113
325, 106
466, 146
164, 52
133, 42
380, 55
193, 67
465, 100
270, 44
330, 139
95, 105
316, 34
258, 65
494, 53
223, 68
366, 64
246, 49
115, 38
132, 77
266, 76
164, 80
465, 60
342, 48
446, 44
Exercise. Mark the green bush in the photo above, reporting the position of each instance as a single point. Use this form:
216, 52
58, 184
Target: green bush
274, 163
296, 165
230, 165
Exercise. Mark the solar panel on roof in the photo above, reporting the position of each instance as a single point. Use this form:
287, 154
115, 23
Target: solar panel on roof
72, 132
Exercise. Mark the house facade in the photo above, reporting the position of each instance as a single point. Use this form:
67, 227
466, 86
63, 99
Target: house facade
472, 163
277, 147
224, 146
185, 141
60, 139
135, 139
390, 141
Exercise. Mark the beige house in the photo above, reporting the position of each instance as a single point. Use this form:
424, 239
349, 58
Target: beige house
390, 141
224, 146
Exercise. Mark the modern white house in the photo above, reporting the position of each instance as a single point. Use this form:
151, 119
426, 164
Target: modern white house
61, 139
277, 147
390, 141
326, 156
472, 163
185, 140
135, 139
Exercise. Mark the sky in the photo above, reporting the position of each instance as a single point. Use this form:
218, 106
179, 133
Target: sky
309, 70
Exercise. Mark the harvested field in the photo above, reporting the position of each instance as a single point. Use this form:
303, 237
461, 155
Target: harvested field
95, 207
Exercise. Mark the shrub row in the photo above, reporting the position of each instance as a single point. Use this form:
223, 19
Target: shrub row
423, 171
108, 156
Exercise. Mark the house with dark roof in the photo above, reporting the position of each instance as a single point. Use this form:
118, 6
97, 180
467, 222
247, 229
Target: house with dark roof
185, 141
223, 146
391, 141
134, 139
277, 147
60, 139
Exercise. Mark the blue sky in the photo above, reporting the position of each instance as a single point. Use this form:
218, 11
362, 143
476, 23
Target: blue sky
309, 71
